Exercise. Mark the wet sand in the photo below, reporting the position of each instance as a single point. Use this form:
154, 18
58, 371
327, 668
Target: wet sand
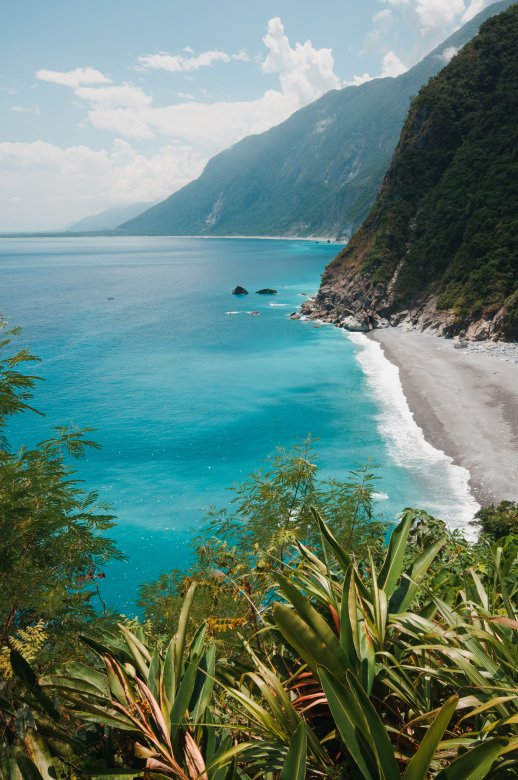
465, 402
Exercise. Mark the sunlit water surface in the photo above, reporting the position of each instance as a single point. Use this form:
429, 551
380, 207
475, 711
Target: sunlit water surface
187, 399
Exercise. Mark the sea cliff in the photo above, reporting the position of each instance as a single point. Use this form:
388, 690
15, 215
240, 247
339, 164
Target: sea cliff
439, 249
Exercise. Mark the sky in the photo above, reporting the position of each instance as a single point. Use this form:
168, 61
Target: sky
109, 102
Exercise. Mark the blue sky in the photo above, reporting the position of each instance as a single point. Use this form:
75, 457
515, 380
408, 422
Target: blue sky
116, 102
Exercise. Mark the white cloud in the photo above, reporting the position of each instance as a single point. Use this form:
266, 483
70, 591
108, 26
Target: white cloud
60, 185
120, 107
475, 7
26, 110
304, 72
438, 15
448, 53
431, 21
376, 38
130, 112
384, 19
177, 63
356, 81
391, 66
73, 78
435, 19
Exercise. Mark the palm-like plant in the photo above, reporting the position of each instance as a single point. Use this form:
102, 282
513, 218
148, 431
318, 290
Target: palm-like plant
373, 675
159, 696
411, 693
35, 743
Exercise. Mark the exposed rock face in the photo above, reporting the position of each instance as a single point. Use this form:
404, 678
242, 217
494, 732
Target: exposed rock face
239, 291
439, 249
351, 301
266, 291
353, 304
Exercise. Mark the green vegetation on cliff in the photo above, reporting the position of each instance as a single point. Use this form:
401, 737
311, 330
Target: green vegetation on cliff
445, 225
317, 173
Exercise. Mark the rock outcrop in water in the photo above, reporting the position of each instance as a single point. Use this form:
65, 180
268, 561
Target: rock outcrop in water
439, 249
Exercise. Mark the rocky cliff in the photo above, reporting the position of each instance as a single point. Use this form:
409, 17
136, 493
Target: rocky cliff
318, 173
439, 249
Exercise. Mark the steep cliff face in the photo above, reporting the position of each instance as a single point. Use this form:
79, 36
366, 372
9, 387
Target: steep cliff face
318, 173
439, 249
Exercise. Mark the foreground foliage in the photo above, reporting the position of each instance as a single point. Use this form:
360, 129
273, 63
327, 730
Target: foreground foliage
241, 547
52, 553
498, 521
303, 645
361, 671
51, 544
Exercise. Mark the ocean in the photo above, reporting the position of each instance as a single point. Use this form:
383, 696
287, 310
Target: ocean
141, 339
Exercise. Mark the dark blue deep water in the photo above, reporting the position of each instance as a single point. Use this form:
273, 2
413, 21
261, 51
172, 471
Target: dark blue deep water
186, 399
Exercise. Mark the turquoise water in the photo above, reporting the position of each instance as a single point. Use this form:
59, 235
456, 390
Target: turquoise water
186, 399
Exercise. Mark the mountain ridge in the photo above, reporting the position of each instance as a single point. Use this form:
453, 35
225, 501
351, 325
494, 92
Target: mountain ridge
439, 249
108, 219
316, 174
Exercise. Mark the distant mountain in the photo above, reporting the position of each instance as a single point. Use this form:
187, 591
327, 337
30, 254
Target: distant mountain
317, 173
108, 219
439, 249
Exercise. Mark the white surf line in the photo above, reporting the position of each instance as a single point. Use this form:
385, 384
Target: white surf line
406, 440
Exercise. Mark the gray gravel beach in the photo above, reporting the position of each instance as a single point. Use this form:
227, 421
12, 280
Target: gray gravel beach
466, 402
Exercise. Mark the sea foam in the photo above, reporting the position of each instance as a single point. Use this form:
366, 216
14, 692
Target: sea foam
448, 491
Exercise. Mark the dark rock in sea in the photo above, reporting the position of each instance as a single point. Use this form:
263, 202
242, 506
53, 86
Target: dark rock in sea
239, 291
295, 316
266, 291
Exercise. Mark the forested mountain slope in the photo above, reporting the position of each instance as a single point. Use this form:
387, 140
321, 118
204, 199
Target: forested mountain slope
317, 173
440, 246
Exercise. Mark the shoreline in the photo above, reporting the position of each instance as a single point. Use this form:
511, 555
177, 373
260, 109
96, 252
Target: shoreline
331, 240
465, 402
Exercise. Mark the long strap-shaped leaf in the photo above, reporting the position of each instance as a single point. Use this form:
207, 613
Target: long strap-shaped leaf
360, 727
307, 642
294, 767
420, 763
39, 753
179, 639
404, 595
314, 625
341, 555
349, 620
394, 559
27, 768
277, 695
476, 763
186, 686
